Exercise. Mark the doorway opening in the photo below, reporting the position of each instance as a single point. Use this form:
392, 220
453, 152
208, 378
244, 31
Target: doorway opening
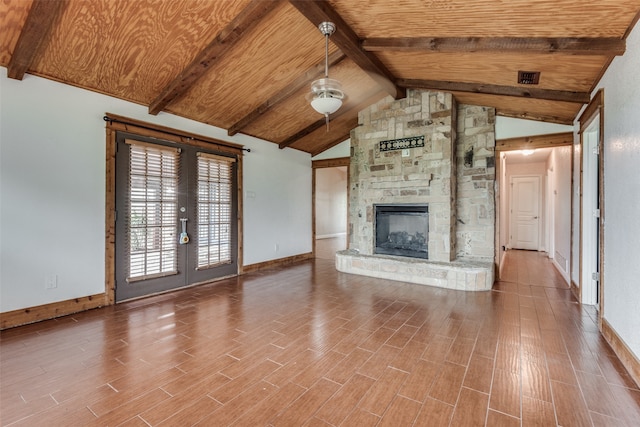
330, 206
533, 199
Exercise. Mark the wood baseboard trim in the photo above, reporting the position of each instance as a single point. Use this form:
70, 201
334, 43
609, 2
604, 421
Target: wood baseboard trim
626, 356
575, 290
276, 263
28, 315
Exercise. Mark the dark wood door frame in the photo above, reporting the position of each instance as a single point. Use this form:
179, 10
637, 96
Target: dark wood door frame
320, 164
594, 110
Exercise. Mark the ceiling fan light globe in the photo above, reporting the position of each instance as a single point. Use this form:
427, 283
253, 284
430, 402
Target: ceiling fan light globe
326, 104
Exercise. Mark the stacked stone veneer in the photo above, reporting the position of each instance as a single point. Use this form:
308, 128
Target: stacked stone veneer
475, 204
453, 173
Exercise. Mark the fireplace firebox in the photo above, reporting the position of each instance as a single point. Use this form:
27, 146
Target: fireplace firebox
402, 230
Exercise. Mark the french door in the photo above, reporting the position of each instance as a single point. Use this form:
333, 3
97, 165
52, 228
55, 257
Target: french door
176, 216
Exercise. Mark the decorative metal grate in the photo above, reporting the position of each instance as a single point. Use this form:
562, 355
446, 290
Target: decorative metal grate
402, 143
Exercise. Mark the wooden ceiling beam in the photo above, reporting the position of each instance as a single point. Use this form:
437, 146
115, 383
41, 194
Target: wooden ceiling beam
301, 134
330, 163
37, 27
607, 46
285, 93
489, 89
536, 117
246, 20
536, 141
348, 42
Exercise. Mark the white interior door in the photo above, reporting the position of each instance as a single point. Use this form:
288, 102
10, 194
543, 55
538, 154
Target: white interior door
525, 212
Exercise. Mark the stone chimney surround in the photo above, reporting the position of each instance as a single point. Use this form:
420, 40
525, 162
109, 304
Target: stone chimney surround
454, 173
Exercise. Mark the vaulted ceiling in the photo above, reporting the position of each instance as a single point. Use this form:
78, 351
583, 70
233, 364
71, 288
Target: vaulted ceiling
246, 65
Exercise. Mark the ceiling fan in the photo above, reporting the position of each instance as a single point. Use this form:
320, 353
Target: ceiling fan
326, 94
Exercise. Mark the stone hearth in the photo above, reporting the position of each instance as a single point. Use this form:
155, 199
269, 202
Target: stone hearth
464, 275
453, 173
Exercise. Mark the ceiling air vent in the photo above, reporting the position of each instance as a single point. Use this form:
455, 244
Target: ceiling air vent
528, 77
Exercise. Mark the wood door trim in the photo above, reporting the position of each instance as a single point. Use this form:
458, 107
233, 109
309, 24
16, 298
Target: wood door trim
595, 108
320, 164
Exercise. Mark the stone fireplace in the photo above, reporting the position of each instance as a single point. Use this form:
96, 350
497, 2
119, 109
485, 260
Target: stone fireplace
448, 177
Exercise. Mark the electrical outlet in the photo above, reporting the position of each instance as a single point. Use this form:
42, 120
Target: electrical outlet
51, 282
406, 152
277, 247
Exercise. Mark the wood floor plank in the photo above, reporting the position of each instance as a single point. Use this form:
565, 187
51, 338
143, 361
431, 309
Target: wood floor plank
233, 409
360, 417
383, 391
183, 398
479, 374
505, 393
471, 408
306, 405
447, 386
418, 383
535, 381
270, 407
341, 404
537, 413
434, 413
401, 412
498, 419
348, 366
571, 409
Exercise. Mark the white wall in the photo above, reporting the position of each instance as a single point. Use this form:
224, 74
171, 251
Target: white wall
621, 85
559, 167
52, 190
337, 151
277, 202
331, 201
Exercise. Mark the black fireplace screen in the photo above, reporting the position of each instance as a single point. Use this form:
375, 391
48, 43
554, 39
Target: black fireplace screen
402, 230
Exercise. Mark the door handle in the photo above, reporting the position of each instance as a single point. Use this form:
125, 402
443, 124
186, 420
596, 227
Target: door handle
184, 237
535, 217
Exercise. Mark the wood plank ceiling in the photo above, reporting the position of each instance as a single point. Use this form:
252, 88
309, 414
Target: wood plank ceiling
246, 65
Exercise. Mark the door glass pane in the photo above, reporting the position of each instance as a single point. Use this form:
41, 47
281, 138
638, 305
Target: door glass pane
152, 211
214, 211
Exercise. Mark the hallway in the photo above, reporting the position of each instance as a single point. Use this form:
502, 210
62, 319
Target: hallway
307, 345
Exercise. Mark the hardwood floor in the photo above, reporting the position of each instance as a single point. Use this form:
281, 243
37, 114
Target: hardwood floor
306, 345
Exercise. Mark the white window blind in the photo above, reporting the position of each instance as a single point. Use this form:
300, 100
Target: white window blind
153, 209
214, 209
